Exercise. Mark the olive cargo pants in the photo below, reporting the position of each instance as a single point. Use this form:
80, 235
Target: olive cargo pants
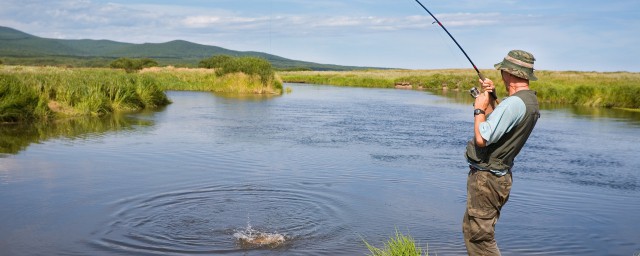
486, 194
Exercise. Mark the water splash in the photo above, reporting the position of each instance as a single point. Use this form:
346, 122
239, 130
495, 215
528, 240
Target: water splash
250, 238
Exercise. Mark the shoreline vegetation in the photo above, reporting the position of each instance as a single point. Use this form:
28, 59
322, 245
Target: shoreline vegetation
30, 93
619, 90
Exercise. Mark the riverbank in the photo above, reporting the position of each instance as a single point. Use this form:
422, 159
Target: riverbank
202, 79
42, 93
597, 89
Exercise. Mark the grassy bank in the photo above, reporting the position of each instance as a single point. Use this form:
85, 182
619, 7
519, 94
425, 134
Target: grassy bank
41, 93
201, 79
32, 93
611, 89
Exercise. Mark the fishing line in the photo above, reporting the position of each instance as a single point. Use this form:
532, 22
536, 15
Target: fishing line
460, 61
482, 77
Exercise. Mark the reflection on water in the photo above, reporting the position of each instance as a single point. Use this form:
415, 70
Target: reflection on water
17, 137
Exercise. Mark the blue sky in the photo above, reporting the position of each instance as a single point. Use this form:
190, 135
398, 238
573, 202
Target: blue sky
580, 35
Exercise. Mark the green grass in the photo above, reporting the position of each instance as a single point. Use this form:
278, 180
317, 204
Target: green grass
29, 93
597, 89
400, 245
191, 79
42, 93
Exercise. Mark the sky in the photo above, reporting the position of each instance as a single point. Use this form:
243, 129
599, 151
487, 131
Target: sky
581, 35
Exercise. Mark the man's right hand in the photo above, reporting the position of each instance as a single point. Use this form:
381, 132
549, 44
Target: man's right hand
487, 85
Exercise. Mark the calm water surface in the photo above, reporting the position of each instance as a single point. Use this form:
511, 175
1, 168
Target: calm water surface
325, 167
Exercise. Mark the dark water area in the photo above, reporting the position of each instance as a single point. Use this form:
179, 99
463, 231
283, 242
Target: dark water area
323, 167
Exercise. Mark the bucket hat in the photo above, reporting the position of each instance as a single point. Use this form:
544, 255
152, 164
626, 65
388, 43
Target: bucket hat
518, 63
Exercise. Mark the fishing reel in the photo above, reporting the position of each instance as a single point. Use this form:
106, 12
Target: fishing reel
474, 92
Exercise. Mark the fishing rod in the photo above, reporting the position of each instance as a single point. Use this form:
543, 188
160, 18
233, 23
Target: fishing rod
482, 77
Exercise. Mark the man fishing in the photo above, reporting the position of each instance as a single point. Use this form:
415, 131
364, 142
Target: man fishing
499, 135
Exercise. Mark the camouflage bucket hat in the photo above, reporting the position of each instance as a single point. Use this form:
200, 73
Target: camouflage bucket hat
518, 63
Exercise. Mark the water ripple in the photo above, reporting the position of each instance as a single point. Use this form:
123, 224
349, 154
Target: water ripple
206, 220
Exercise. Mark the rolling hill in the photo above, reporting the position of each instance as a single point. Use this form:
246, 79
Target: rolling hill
20, 48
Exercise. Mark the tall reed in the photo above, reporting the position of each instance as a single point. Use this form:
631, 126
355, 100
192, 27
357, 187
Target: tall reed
41, 93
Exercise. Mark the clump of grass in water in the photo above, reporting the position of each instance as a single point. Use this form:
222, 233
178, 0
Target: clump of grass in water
400, 245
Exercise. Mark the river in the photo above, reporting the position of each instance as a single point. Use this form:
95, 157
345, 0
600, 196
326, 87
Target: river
324, 167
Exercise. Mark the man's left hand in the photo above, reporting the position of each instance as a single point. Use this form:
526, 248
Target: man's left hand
482, 101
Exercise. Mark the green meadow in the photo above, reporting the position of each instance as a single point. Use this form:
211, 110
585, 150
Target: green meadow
596, 89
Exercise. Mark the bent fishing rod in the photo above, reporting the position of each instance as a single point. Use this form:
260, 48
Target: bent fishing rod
482, 77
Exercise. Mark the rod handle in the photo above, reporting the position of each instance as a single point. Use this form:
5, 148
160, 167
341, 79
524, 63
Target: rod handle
493, 93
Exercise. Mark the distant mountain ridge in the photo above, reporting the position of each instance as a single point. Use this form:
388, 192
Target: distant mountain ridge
20, 47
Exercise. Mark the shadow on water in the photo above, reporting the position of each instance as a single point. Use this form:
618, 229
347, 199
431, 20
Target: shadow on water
17, 137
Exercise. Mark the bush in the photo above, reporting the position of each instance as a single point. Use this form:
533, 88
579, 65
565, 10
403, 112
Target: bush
224, 64
133, 65
215, 61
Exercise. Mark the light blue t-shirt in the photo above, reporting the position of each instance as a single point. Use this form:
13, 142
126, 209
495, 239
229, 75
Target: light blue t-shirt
506, 116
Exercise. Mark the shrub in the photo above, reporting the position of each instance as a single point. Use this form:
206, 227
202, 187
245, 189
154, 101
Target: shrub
224, 64
133, 65
215, 61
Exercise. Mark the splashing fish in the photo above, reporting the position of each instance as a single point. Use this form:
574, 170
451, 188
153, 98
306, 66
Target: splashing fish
250, 238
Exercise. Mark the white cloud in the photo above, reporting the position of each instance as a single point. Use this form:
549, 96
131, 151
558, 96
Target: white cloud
230, 21
340, 28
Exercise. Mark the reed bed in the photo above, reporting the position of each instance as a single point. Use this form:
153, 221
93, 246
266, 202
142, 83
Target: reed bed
32, 93
598, 89
41, 93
